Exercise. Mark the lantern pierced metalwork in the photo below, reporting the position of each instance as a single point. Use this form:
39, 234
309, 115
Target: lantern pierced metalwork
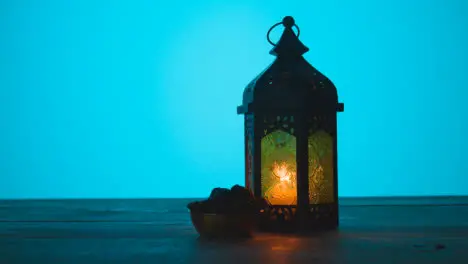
290, 120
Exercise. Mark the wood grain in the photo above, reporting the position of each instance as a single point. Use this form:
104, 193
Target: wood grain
402, 230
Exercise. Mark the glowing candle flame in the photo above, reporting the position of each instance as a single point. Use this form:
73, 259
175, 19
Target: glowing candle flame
283, 190
281, 171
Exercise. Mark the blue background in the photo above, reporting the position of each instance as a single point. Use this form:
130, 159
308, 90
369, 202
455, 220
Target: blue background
138, 98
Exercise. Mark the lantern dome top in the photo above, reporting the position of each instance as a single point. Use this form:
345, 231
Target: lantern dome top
289, 44
290, 83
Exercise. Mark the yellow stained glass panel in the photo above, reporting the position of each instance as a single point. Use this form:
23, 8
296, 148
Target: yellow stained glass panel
279, 168
321, 168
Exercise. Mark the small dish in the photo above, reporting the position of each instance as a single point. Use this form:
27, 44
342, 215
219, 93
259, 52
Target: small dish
223, 225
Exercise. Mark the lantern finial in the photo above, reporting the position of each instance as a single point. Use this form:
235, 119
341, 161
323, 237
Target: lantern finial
288, 21
289, 44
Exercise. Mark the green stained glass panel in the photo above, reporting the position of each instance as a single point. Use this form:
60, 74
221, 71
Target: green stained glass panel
321, 168
278, 164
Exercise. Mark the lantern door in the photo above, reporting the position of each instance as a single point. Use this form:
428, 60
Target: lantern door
278, 163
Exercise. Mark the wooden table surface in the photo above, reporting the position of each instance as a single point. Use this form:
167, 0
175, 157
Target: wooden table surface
405, 230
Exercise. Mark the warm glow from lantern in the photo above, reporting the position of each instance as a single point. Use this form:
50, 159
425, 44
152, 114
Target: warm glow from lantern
279, 168
283, 190
281, 171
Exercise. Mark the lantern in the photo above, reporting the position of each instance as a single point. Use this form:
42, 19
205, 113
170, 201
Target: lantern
290, 112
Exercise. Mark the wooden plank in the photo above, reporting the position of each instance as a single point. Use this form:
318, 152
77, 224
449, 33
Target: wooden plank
159, 231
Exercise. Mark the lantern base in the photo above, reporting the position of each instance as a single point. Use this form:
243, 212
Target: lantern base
283, 218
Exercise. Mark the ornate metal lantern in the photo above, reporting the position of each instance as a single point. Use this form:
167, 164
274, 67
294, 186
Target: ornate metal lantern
291, 139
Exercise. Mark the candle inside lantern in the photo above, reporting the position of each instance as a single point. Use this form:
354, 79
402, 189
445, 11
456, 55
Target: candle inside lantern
283, 190
279, 168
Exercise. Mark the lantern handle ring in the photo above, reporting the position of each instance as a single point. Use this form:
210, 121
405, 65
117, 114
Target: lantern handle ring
288, 22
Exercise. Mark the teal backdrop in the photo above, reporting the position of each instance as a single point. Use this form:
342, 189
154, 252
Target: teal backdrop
116, 99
